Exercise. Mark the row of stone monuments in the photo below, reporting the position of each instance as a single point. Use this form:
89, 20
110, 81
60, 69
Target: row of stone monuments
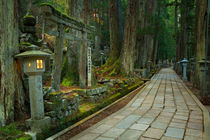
188, 70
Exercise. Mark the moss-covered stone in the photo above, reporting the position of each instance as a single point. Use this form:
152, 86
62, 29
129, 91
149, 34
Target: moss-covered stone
29, 20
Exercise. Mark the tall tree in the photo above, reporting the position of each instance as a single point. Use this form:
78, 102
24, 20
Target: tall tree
114, 32
184, 35
155, 50
140, 36
176, 32
120, 22
11, 88
200, 30
130, 32
149, 21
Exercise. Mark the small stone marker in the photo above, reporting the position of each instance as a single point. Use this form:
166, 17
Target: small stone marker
89, 65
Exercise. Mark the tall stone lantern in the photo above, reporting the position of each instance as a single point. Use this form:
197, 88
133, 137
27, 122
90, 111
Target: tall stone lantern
184, 64
33, 62
204, 68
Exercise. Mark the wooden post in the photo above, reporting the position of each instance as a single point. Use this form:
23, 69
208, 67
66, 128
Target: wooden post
58, 56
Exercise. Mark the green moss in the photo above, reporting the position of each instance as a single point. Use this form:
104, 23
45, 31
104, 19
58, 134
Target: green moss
62, 14
29, 16
55, 93
86, 107
67, 82
11, 132
67, 30
69, 77
26, 137
25, 44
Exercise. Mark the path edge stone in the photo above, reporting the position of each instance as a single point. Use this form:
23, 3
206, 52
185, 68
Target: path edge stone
205, 113
140, 88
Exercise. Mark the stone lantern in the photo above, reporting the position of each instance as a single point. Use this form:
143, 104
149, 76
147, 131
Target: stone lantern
192, 64
102, 58
149, 65
33, 61
204, 68
184, 64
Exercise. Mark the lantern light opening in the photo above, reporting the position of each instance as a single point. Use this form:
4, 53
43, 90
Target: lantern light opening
39, 63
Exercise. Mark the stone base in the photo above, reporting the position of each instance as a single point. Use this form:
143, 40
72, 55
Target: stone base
144, 73
38, 125
32, 134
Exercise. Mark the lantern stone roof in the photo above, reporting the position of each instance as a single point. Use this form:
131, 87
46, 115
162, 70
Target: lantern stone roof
33, 53
184, 60
204, 61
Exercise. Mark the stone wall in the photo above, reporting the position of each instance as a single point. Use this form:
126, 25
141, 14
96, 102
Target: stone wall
94, 94
61, 105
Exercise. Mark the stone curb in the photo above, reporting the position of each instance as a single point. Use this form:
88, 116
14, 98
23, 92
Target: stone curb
205, 114
93, 115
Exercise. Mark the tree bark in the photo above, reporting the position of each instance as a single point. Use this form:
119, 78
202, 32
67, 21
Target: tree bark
114, 32
130, 32
11, 87
156, 37
200, 30
120, 22
177, 32
148, 40
184, 36
140, 37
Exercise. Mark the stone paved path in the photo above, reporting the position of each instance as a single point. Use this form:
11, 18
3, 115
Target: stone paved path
162, 110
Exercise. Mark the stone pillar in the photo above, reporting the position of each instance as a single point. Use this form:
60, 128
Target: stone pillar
82, 61
36, 97
89, 66
102, 59
58, 59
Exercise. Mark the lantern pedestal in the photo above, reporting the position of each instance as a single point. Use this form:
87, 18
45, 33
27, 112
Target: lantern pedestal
144, 73
38, 125
38, 121
204, 68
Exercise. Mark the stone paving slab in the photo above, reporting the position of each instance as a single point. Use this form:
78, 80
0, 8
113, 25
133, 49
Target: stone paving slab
163, 110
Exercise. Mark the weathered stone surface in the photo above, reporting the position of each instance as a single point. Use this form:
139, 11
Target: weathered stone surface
101, 129
154, 133
139, 126
104, 138
175, 132
113, 133
130, 135
146, 120
127, 122
58, 107
159, 125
